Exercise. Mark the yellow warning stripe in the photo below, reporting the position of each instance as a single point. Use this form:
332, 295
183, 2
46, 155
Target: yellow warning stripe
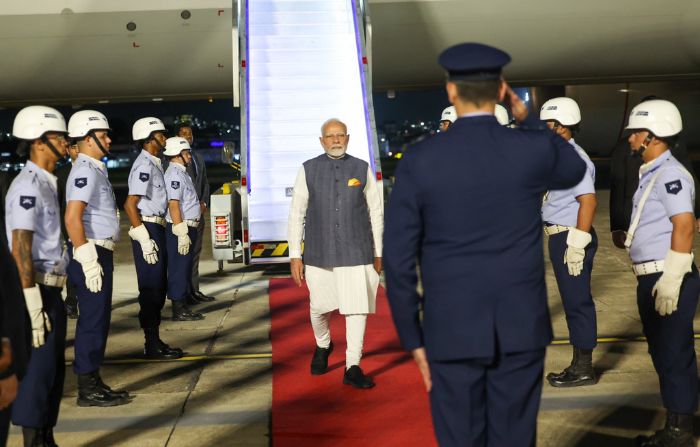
189, 358
269, 249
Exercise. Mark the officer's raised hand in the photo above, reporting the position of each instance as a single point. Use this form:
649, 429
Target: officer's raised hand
40, 321
149, 248
183, 239
576, 242
86, 255
668, 287
517, 107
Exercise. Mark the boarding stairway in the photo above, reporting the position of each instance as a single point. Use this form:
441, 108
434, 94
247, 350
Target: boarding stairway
302, 62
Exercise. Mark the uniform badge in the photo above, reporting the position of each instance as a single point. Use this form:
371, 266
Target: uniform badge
354, 182
673, 187
175, 184
81, 182
27, 202
144, 176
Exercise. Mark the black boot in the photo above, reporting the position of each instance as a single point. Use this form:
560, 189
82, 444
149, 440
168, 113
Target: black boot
124, 394
91, 394
49, 441
579, 373
678, 432
159, 350
181, 312
319, 362
355, 377
33, 437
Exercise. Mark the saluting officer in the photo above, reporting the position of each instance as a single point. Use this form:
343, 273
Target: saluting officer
92, 222
145, 207
183, 218
660, 240
568, 221
476, 231
34, 235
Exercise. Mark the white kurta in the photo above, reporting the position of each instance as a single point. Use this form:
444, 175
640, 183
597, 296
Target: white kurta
352, 289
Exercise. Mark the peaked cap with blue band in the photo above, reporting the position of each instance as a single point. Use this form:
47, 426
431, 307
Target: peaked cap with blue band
473, 62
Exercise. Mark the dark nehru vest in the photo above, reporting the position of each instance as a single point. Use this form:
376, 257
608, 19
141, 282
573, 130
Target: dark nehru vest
337, 230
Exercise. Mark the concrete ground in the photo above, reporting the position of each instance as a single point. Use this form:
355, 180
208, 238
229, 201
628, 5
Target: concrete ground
221, 393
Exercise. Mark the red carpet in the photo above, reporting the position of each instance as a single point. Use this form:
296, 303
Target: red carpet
319, 410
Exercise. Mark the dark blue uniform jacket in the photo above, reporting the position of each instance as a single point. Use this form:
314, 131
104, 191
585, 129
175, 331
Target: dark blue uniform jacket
466, 209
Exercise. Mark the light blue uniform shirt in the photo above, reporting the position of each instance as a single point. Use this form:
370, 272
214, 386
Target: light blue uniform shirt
179, 186
146, 179
88, 182
560, 206
32, 204
673, 194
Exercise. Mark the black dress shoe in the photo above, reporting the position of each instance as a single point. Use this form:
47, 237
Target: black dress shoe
319, 362
181, 312
90, 394
203, 298
355, 377
161, 351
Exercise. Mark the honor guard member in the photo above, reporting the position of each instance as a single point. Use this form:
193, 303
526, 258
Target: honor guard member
183, 218
568, 221
34, 235
660, 240
449, 115
92, 222
476, 232
145, 207
197, 171
62, 173
337, 211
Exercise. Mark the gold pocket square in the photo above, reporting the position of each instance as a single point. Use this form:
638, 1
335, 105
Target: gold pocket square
354, 182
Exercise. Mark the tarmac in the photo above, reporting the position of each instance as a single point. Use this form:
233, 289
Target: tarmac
220, 394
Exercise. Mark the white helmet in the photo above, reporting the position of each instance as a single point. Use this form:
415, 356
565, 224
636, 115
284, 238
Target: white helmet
84, 121
34, 121
563, 110
144, 127
449, 114
501, 115
175, 145
658, 116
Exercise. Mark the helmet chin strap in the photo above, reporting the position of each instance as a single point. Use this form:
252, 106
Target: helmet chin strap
643, 147
48, 142
97, 141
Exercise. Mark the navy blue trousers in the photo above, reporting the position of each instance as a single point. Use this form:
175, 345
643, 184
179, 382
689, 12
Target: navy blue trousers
487, 402
39, 395
575, 291
671, 342
152, 278
95, 314
179, 266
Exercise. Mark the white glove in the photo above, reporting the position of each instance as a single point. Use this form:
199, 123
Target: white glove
86, 255
148, 245
576, 243
40, 321
183, 240
668, 287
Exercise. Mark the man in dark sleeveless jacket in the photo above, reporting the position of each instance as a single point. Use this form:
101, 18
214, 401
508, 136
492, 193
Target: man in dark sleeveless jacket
337, 210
